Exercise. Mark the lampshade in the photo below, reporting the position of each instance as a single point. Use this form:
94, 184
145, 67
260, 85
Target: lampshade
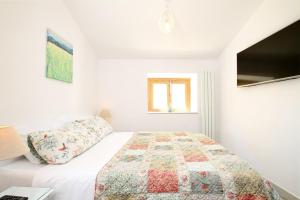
166, 21
105, 114
11, 144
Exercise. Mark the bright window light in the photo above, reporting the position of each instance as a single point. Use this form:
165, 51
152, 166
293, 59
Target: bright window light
172, 93
160, 97
178, 96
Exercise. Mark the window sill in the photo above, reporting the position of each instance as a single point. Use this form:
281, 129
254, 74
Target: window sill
173, 112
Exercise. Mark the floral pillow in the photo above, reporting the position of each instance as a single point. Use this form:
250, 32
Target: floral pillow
95, 126
60, 146
32, 155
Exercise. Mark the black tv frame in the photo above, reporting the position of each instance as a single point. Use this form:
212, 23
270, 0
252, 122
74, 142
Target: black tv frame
268, 81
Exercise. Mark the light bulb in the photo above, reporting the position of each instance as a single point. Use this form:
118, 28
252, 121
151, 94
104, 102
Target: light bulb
167, 21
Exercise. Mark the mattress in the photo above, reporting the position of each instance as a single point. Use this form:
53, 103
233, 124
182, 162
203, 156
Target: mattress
74, 180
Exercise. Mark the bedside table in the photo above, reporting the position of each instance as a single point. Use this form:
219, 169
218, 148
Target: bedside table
31, 192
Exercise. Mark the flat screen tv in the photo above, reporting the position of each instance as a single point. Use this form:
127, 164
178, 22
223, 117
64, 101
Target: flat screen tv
275, 58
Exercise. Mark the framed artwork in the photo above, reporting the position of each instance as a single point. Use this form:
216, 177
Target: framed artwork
59, 58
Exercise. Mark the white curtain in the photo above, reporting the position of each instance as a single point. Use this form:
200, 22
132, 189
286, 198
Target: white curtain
207, 103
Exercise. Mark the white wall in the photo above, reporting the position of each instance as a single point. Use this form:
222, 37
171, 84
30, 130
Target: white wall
28, 99
262, 123
122, 88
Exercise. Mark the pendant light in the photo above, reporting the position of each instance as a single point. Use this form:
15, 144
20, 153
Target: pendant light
167, 20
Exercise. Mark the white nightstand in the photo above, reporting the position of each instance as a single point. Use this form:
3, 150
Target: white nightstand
31, 192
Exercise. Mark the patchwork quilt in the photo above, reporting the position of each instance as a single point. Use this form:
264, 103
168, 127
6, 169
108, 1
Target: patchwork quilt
179, 165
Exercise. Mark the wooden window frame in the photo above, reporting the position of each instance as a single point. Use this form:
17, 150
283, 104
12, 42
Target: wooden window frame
169, 82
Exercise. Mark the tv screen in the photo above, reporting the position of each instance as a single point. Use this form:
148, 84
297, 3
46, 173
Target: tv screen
275, 58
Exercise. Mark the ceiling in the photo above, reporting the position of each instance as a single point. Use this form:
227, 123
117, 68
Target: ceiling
129, 28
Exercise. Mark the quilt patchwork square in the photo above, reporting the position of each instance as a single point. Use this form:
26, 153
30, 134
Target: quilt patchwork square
251, 197
194, 155
144, 134
218, 152
121, 182
163, 147
206, 182
163, 138
140, 143
135, 152
133, 155
247, 183
207, 141
163, 162
138, 146
131, 158
162, 181
184, 140
180, 134
195, 158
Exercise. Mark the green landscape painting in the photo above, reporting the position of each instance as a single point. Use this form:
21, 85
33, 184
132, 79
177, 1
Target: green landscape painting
59, 58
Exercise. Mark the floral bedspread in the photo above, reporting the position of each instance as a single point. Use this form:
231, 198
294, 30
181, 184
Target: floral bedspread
179, 165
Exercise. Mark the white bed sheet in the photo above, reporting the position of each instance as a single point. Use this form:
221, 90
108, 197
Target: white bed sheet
74, 180
18, 173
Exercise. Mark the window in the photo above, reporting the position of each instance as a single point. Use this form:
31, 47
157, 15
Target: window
169, 95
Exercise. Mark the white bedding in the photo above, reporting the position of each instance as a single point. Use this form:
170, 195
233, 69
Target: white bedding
18, 173
74, 180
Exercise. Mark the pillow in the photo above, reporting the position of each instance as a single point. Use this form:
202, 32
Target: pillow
62, 145
32, 155
96, 127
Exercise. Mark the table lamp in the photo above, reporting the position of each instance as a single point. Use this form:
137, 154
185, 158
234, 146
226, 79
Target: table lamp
106, 115
11, 144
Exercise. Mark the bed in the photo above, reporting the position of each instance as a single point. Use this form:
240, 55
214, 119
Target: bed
74, 180
145, 165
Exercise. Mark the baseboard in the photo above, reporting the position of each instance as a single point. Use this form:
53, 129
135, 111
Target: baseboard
284, 193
